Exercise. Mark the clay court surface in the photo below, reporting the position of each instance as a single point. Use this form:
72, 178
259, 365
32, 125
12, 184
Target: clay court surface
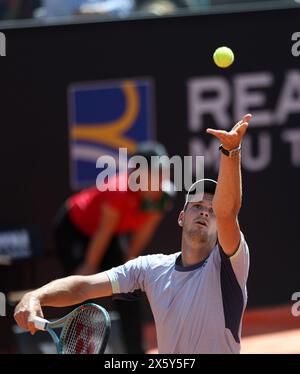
271, 330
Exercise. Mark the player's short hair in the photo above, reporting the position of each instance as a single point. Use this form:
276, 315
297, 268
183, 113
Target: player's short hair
200, 187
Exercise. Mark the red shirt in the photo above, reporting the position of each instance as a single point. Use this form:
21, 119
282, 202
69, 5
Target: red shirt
85, 208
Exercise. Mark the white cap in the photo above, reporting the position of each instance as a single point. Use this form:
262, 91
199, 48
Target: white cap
197, 190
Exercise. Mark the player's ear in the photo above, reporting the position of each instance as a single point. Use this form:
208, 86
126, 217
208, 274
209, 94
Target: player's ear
181, 218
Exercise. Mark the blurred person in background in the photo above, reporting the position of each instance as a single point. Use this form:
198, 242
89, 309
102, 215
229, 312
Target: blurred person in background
91, 226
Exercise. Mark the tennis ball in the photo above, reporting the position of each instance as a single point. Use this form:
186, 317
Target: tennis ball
223, 57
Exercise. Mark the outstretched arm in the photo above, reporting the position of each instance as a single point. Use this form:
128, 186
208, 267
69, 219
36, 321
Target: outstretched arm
61, 292
228, 196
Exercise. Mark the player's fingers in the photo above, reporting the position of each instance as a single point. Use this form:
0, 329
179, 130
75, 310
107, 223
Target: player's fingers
214, 131
30, 324
236, 125
220, 134
247, 118
21, 319
32, 329
242, 129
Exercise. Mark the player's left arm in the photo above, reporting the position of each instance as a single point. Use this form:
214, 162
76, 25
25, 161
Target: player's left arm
228, 197
141, 237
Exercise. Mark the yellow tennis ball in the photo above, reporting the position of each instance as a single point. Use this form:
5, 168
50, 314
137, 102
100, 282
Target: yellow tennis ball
223, 57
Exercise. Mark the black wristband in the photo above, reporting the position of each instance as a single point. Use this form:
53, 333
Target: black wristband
232, 153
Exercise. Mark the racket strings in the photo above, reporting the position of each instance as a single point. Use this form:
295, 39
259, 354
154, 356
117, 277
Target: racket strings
84, 333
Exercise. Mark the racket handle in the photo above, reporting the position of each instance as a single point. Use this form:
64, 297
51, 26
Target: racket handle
40, 323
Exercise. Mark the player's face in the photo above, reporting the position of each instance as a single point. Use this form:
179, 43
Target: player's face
199, 217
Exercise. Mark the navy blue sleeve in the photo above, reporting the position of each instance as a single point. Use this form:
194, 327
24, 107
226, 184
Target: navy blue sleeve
234, 272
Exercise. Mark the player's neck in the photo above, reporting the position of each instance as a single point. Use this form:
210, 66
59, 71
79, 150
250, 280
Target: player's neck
194, 252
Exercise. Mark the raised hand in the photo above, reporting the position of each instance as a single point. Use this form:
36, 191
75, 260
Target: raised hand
233, 138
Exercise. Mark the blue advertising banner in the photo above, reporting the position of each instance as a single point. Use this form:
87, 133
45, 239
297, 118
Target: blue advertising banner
103, 117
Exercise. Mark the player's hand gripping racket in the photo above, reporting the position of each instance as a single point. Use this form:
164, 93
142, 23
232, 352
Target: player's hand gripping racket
84, 331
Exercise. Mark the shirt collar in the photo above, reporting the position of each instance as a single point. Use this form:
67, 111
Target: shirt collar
180, 267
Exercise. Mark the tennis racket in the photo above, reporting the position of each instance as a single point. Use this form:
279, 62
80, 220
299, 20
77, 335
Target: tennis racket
84, 331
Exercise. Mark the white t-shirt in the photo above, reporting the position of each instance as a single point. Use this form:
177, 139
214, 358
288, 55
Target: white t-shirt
197, 309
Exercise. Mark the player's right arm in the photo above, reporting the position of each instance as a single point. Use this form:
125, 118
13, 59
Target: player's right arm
61, 292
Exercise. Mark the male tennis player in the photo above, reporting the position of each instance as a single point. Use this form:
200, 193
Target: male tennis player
198, 295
